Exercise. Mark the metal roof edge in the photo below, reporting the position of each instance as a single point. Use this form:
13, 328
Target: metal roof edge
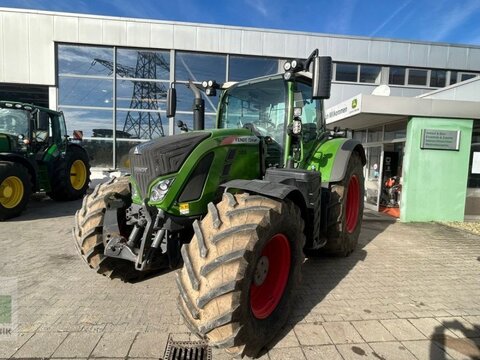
233, 27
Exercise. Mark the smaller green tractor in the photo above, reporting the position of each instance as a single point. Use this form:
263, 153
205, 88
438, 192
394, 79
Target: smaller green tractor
36, 155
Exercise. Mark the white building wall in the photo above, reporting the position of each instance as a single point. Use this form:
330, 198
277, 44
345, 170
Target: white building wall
466, 91
27, 41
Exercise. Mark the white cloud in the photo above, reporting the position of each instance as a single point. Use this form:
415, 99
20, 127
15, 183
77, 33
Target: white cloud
451, 19
259, 6
390, 18
341, 22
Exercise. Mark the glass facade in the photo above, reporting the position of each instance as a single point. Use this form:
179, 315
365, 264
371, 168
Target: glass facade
105, 88
384, 149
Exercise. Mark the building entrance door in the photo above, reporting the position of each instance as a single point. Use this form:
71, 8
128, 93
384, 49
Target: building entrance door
372, 173
391, 174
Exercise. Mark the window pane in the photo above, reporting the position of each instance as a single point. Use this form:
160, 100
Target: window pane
397, 76
370, 74
141, 94
85, 92
96, 126
417, 77
375, 134
185, 99
200, 67
396, 131
143, 64
438, 78
188, 119
453, 77
360, 135
137, 124
242, 68
467, 76
88, 121
346, 72
85, 60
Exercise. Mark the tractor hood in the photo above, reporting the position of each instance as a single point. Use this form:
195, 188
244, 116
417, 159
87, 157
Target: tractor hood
162, 156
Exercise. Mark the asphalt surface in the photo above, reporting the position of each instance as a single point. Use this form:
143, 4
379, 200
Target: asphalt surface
409, 291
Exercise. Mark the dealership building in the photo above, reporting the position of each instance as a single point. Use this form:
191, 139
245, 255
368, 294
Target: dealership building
414, 105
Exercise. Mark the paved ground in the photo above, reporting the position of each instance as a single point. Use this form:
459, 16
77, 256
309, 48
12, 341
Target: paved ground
409, 291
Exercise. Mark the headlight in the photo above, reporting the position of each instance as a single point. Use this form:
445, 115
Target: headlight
160, 190
297, 126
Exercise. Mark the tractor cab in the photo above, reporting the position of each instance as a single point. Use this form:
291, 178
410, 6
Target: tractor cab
36, 155
267, 107
28, 129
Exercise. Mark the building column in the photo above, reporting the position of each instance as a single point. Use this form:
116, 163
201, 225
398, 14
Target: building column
435, 180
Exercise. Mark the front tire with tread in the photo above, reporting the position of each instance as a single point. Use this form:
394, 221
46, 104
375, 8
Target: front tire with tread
88, 231
219, 267
11, 205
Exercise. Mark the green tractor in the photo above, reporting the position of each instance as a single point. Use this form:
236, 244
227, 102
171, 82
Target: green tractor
36, 155
240, 205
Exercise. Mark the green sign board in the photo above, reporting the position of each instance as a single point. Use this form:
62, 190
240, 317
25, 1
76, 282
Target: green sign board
440, 139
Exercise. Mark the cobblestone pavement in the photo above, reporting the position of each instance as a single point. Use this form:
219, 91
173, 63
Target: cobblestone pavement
409, 291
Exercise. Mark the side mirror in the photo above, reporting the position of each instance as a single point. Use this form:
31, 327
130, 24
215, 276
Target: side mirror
321, 77
171, 102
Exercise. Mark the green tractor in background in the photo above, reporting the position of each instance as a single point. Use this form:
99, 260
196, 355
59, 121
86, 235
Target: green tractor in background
240, 204
36, 155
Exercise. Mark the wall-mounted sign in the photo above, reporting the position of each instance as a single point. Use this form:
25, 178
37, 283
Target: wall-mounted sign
344, 109
440, 139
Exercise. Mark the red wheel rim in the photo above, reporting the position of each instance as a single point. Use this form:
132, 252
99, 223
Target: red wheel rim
267, 287
353, 203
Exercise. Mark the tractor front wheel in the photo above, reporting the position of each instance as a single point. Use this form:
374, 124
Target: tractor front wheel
88, 231
240, 271
15, 189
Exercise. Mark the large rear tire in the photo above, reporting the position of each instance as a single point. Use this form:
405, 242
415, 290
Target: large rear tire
240, 272
345, 210
71, 175
88, 231
15, 189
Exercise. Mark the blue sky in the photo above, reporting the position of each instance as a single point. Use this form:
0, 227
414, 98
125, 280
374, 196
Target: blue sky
452, 21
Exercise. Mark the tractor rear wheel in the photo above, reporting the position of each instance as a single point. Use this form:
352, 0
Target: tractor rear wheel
88, 231
15, 189
345, 210
240, 271
71, 175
